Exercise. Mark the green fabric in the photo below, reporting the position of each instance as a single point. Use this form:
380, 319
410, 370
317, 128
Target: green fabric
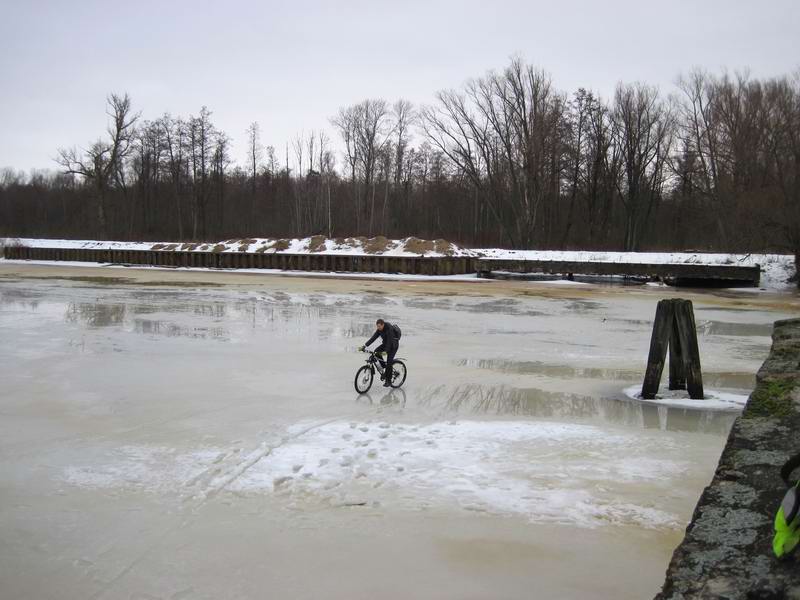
787, 535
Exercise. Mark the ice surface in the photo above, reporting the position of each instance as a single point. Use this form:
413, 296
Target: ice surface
167, 436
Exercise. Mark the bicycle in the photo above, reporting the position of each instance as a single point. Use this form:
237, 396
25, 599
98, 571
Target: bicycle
366, 374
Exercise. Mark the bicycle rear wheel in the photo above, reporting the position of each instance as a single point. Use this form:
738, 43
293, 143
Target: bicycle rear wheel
363, 380
399, 373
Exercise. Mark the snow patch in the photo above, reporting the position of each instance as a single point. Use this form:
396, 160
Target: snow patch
545, 471
713, 400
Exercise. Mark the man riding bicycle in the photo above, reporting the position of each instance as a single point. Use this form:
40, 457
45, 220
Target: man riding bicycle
390, 343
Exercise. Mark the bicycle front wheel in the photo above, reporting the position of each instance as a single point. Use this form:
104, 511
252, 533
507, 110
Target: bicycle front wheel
363, 379
399, 373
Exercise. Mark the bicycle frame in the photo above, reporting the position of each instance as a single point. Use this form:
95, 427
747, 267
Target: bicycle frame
376, 363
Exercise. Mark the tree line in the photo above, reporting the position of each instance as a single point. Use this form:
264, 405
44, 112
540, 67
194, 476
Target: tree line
508, 159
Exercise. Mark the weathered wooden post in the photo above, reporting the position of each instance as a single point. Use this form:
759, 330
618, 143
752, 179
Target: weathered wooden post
674, 330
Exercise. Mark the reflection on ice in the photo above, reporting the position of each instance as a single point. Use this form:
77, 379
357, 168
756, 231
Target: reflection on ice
393, 398
540, 368
474, 399
743, 381
152, 327
734, 329
96, 314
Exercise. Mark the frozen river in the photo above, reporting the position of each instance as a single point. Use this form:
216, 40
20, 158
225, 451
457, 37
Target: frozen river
184, 435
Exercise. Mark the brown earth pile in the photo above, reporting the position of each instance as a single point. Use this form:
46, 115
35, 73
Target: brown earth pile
444, 247
376, 245
317, 243
418, 246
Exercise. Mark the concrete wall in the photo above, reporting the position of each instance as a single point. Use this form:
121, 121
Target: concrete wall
727, 550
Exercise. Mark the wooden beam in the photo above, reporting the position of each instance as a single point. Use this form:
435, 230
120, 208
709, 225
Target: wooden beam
659, 342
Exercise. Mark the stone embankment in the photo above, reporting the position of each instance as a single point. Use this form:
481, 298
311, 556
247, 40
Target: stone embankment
727, 549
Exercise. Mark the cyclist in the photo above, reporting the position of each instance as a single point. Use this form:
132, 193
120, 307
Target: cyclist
390, 343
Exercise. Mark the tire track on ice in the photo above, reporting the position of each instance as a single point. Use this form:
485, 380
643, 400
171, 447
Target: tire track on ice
214, 487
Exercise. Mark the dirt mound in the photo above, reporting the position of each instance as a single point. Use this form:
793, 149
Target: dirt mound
376, 245
444, 247
418, 246
317, 243
280, 245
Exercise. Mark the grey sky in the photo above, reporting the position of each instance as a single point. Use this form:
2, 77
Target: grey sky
291, 65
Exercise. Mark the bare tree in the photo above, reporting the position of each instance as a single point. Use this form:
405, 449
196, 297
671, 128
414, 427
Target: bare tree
254, 155
201, 133
504, 134
175, 140
643, 130
346, 122
578, 122
103, 162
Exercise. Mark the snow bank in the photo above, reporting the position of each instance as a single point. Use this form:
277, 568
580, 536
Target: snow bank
776, 269
310, 245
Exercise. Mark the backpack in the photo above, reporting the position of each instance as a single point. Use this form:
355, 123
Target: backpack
397, 333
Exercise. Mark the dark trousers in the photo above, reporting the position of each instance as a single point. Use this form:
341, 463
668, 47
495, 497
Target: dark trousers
390, 352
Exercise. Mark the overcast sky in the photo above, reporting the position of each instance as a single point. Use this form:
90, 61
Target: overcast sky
290, 65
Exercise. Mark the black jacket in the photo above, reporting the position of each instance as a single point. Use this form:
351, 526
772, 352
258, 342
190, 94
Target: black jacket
387, 336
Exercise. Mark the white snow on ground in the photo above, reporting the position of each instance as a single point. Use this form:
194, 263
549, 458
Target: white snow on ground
776, 269
347, 246
713, 400
493, 467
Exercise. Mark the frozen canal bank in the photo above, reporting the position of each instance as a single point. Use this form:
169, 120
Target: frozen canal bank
197, 436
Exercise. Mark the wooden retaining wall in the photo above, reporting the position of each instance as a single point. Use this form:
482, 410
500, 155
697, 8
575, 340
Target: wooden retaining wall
253, 260
685, 273
675, 273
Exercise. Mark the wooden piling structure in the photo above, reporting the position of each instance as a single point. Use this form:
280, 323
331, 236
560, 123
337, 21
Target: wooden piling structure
678, 274
674, 331
422, 265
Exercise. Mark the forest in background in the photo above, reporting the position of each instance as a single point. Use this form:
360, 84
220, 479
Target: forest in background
507, 160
